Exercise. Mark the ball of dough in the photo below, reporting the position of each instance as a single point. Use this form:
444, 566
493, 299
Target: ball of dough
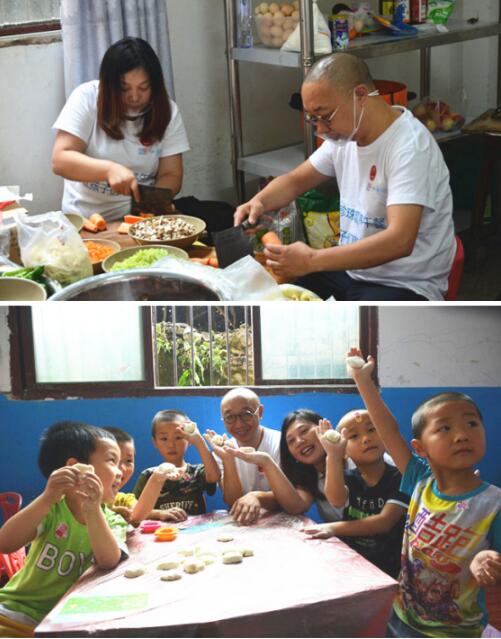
233, 557
84, 468
170, 564
247, 449
167, 468
355, 361
333, 436
186, 552
171, 576
134, 570
218, 440
189, 428
207, 559
247, 552
225, 538
191, 567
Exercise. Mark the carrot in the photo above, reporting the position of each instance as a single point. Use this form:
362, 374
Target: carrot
145, 215
124, 228
97, 252
200, 260
213, 261
99, 221
270, 239
130, 219
90, 226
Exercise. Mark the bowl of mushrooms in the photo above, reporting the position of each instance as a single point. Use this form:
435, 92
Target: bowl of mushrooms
173, 230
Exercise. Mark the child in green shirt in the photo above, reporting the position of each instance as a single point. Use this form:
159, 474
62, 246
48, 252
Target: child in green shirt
67, 526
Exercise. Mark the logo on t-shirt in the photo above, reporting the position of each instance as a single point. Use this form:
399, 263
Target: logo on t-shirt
373, 172
61, 531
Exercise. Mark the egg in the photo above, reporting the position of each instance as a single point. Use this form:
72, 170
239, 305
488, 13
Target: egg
295, 16
287, 33
295, 4
277, 42
264, 7
276, 32
287, 9
278, 19
274, 7
288, 24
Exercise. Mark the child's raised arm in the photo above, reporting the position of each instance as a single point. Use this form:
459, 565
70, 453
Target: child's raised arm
334, 445
380, 415
212, 472
21, 528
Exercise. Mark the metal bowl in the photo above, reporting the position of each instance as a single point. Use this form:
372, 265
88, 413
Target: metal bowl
182, 242
123, 254
140, 285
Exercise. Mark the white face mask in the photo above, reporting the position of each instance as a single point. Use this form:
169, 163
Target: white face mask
339, 138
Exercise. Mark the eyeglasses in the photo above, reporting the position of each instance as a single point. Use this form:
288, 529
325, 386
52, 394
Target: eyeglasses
244, 416
318, 119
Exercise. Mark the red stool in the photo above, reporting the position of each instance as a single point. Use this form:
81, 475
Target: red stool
10, 504
456, 272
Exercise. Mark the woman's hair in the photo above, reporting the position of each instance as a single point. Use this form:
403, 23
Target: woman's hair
68, 439
124, 56
299, 474
167, 416
119, 434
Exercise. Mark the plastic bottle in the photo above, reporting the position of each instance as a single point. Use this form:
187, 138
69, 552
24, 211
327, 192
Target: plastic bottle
419, 11
387, 8
244, 19
406, 13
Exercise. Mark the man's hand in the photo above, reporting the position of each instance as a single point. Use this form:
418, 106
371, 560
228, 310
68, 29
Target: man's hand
322, 531
291, 261
221, 450
246, 509
122, 180
335, 449
486, 568
251, 210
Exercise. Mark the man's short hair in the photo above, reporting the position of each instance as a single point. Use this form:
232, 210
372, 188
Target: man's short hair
420, 415
68, 439
166, 416
342, 70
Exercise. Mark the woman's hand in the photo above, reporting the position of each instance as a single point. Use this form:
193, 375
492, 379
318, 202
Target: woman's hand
259, 459
122, 180
335, 449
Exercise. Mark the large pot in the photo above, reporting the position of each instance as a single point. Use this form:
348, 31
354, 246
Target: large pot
141, 285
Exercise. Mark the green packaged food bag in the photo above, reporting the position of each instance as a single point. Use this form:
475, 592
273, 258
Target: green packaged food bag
320, 213
440, 10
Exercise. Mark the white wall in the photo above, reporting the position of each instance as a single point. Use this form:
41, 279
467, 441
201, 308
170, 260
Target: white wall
32, 95
418, 347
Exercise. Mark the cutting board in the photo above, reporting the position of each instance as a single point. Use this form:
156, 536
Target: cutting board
484, 124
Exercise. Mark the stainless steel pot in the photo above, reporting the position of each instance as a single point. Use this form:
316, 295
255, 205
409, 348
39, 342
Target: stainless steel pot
141, 285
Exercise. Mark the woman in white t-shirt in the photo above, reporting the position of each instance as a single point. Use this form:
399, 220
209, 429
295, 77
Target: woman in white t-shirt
117, 132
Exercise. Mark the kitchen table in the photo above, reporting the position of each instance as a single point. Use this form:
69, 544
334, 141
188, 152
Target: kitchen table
291, 587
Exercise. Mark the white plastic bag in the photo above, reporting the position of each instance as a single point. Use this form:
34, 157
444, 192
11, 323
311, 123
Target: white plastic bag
52, 241
321, 34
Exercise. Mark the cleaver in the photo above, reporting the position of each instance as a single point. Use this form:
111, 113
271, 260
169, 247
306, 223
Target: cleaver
232, 244
154, 199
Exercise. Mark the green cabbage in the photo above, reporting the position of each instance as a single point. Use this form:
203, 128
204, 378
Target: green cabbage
141, 259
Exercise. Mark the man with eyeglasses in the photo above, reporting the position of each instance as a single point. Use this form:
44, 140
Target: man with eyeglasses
244, 487
397, 236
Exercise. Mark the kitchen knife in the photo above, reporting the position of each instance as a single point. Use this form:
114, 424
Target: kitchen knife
154, 199
232, 244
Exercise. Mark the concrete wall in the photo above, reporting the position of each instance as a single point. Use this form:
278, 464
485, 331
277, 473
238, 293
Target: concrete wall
32, 81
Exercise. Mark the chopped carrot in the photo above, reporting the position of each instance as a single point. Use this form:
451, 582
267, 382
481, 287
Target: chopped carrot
213, 261
131, 219
145, 215
124, 228
270, 239
90, 226
99, 221
97, 252
200, 260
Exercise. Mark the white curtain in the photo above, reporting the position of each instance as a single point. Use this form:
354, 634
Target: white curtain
89, 27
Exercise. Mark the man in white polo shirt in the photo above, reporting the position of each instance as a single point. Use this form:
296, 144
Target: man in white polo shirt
245, 488
397, 235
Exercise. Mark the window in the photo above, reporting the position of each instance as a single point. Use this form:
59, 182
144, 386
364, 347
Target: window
61, 350
28, 16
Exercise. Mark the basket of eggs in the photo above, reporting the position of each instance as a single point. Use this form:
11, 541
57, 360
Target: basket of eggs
275, 22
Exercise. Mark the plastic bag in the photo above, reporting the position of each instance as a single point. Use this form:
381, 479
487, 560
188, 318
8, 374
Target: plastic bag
251, 281
52, 241
439, 11
321, 218
321, 35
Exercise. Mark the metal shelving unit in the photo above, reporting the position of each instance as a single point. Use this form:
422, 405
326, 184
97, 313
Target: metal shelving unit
278, 161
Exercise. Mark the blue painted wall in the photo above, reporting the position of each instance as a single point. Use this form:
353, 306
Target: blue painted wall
21, 423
